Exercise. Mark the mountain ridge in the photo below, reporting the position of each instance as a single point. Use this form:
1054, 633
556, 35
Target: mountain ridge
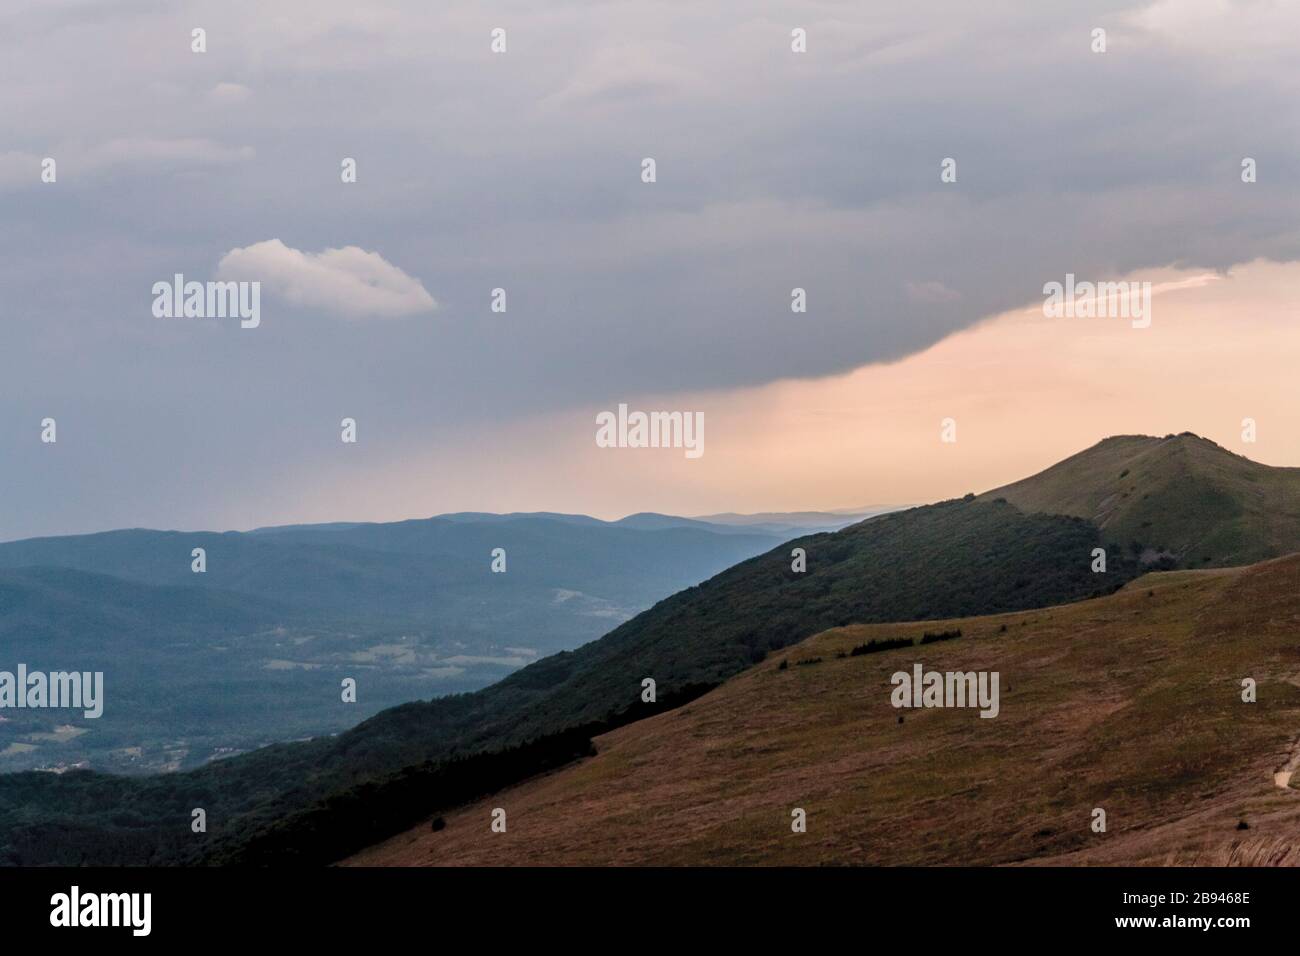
961, 557
1181, 495
1130, 703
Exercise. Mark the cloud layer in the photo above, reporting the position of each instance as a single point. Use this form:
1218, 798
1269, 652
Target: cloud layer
476, 170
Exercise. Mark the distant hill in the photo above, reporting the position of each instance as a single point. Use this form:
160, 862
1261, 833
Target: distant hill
1130, 703
952, 558
957, 558
400, 569
253, 650
1180, 495
799, 522
72, 609
649, 521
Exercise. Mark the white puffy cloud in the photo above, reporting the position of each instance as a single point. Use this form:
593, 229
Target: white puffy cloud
350, 282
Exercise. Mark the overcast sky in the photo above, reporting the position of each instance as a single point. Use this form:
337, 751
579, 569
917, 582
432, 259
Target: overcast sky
522, 170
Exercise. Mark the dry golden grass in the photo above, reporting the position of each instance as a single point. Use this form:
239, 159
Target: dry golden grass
1131, 703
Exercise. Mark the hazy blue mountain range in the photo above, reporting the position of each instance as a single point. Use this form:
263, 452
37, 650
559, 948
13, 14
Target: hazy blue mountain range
253, 650
795, 523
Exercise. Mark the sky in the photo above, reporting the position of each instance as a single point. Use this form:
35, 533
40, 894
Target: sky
522, 170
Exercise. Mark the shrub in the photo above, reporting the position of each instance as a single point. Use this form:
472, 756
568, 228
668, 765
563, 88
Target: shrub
928, 638
888, 644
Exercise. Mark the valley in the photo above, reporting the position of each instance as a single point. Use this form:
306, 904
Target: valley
251, 652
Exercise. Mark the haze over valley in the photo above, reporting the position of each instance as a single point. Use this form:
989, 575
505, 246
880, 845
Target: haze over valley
252, 650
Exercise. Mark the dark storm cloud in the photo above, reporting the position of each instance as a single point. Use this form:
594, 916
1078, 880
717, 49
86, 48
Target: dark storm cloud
775, 170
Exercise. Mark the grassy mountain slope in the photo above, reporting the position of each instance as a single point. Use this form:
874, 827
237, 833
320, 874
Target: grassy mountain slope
1181, 495
959, 556
968, 557
1130, 703
951, 558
